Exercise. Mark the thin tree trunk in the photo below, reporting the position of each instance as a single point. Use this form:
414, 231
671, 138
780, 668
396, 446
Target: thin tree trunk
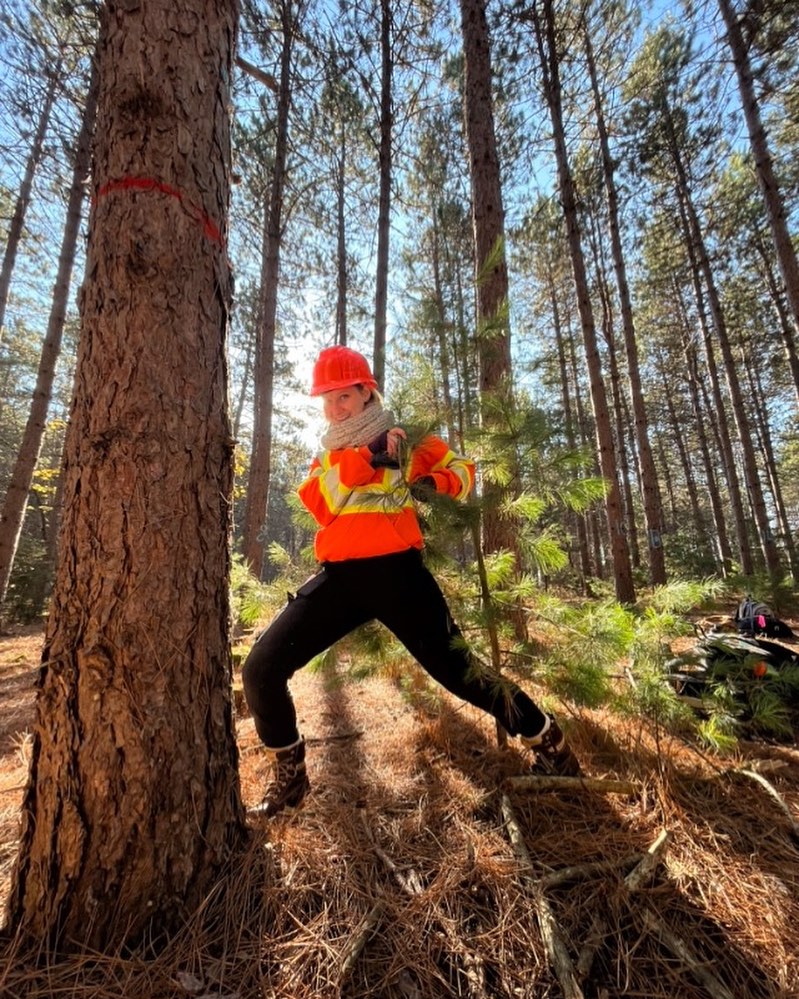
650, 494
51, 540
620, 553
720, 423
595, 531
769, 185
678, 436
777, 299
440, 323
751, 475
249, 350
384, 198
587, 435
722, 546
16, 498
24, 197
132, 805
568, 423
766, 449
256, 507
666, 467
616, 396
341, 243
460, 347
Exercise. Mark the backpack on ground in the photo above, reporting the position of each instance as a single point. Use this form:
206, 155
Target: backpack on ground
753, 617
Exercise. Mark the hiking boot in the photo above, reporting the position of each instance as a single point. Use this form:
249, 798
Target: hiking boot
289, 783
553, 757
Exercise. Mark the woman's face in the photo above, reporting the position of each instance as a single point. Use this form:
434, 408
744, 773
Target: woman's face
341, 404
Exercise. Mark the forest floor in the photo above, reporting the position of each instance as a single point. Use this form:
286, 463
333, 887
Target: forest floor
400, 879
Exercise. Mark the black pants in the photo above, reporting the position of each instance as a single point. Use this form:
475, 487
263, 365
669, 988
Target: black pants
399, 591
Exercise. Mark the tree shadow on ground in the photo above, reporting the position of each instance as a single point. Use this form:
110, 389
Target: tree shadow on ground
403, 837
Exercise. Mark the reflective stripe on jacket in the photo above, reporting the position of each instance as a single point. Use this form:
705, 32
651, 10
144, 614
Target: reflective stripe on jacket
364, 511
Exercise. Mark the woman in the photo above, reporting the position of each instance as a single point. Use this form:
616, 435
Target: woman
369, 545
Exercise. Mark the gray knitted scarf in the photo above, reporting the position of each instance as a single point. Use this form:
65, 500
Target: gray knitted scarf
359, 430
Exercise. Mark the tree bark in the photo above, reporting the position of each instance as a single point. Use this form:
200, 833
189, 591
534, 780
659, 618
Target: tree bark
256, 506
16, 498
620, 553
133, 802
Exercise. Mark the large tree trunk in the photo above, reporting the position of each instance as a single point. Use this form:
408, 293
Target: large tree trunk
384, 201
620, 552
775, 206
24, 196
133, 801
256, 507
650, 493
16, 499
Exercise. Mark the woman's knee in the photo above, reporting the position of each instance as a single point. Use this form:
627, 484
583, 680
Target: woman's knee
261, 665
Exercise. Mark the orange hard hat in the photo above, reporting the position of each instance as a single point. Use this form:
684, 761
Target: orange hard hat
337, 367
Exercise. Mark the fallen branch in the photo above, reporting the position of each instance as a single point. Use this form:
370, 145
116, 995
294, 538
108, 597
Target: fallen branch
680, 949
774, 793
648, 862
674, 943
596, 936
556, 949
359, 939
412, 884
580, 871
532, 782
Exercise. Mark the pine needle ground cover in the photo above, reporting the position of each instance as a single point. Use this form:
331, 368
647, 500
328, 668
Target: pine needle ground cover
420, 869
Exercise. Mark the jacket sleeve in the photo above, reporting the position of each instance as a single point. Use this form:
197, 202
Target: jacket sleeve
452, 473
332, 477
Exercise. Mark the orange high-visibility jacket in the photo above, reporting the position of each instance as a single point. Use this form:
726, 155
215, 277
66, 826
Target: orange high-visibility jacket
364, 511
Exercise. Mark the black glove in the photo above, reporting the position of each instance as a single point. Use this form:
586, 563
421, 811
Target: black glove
423, 488
380, 456
380, 443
